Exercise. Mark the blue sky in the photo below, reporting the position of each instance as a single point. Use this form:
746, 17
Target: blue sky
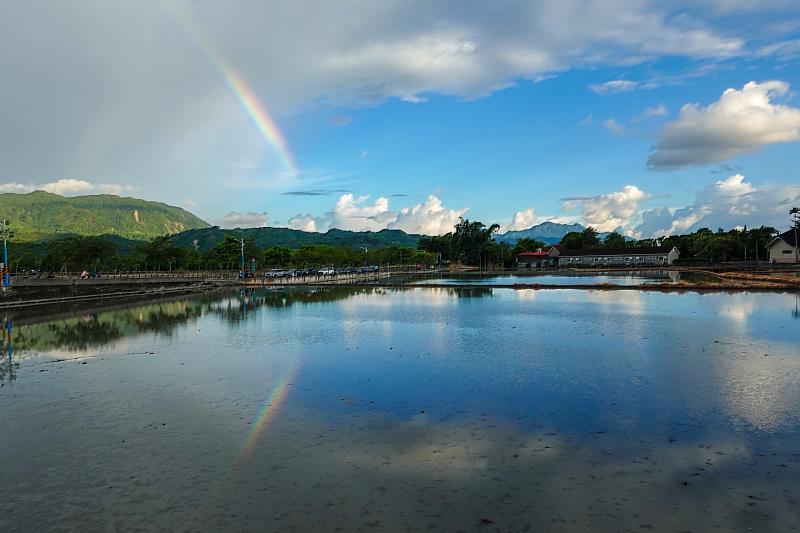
409, 114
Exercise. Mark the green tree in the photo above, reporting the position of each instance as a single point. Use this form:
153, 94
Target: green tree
79, 253
161, 254
589, 237
227, 253
614, 240
572, 240
527, 244
575, 240
472, 240
277, 256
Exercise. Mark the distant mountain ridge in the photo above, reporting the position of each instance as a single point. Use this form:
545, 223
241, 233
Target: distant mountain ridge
42, 215
292, 238
547, 232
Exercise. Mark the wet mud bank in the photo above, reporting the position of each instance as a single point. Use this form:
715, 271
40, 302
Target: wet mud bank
49, 294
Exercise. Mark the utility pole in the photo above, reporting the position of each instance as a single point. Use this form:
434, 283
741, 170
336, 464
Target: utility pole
795, 214
6, 275
756, 254
242, 269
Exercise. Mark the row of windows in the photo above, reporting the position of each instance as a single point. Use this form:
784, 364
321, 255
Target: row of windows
632, 259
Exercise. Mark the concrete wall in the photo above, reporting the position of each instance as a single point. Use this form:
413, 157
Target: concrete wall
782, 252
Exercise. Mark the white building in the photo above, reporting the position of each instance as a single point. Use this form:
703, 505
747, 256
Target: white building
599, 257
783, 248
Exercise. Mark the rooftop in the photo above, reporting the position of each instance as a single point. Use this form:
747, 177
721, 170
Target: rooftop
653, 250
788, 236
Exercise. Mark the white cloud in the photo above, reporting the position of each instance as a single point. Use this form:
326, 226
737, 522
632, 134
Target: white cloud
358, 214
734, 186
235, 219
16, 187
725, 204
614, 127
135, 64
428, 218
659, 111
67, 187
609, 212
522, 220
303, 222
740, 122
783, 51
614, 86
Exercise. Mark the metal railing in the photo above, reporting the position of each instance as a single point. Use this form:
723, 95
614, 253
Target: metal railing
133, 274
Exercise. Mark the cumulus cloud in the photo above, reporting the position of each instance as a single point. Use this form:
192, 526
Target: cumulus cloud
727, 203
740, 122
522, 220
608, 212
16, 187
428, 218
357, 213
66, 187
305, 222
235, 219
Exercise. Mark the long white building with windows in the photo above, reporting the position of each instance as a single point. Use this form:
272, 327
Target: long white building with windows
558, 256
653, 256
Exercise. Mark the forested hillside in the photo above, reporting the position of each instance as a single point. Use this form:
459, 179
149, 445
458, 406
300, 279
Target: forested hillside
40, 215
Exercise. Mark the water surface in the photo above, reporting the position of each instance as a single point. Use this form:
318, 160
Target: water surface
628, 278
403, 410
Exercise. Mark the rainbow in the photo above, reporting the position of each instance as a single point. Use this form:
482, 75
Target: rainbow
269, 410
239, 87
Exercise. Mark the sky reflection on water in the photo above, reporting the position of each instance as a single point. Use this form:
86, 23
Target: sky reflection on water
403, 409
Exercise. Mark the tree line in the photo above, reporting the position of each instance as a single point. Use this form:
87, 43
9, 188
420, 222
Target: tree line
702, 245
162, 254
471, 243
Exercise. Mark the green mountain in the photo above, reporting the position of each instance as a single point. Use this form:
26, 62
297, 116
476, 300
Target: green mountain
41, 215
292, 238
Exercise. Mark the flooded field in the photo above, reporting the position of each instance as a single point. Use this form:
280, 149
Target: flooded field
405, 410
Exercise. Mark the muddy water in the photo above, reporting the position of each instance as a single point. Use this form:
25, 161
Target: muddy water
372, 409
